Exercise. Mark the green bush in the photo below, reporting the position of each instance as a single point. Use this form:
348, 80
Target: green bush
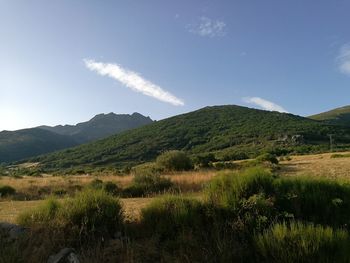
93, 212
174, 161
229, 189
90, 212
147, 184
6, 190
301, 243
267, 157
322, 201
111, 188
96, 184
170, 215
204, 160
44, 214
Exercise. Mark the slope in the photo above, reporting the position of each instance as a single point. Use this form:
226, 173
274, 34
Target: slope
20, 144
218, 129
338, 116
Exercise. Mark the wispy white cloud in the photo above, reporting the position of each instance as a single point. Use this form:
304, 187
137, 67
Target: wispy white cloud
133, 81
264, 104
207, 27
344, 59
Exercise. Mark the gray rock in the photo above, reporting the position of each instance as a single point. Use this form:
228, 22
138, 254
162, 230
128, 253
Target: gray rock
66, 255
13, 231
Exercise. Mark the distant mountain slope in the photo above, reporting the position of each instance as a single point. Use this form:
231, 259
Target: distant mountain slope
17, 145
100, 126
338, 116
26, 143
211, 129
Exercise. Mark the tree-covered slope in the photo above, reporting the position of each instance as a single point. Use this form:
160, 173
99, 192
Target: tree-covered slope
20, 144
211, 129
100, 126
338, 116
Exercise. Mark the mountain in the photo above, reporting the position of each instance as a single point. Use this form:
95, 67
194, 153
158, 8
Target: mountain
338, 116
20, 144
26, 143
219, 129
100, 126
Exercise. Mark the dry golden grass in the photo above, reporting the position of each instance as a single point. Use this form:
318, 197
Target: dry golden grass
317, 165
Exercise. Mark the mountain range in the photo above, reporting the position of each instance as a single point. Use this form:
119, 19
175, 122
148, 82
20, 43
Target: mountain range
25, 143
226, 131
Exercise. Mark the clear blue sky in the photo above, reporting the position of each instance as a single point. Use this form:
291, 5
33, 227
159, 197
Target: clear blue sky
295, 54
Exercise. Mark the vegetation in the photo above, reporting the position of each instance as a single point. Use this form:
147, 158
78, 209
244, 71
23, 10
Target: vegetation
21, 144
222, 130
148, 184
6, 190
339, 155
298, 242
174, 161
89, 213
338, 116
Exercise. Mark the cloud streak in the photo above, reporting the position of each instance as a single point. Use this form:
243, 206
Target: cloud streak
344, 59
264, 104
207, 27
133, 81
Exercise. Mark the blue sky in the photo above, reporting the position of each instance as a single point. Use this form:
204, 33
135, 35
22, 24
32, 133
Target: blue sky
65, 61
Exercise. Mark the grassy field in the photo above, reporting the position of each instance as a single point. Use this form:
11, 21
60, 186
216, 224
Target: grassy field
312, 165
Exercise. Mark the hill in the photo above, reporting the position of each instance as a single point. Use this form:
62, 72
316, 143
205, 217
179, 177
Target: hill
26, 143
20, 144
223, 130
100, 126
338, 116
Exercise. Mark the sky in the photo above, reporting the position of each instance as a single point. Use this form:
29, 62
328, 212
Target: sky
63, 61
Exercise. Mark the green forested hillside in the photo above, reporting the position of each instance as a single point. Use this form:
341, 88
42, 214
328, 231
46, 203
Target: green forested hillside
338, 116
17, 145
223, 130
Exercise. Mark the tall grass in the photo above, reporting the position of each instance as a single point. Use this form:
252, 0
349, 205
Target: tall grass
298, 242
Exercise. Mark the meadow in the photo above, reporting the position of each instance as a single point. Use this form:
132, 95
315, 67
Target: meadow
243, 211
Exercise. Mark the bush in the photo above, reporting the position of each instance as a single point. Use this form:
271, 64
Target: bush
339, 155
111, 188
89, 213
147, 184
299, 242
267, 157
229, 189
171, 215
322, 201
7, 190
174, 161
96, 184
204, 160
44, 215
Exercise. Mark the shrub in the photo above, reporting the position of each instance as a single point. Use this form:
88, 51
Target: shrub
147, 184
96, 184
7, 190
89, 213
229, 189
93, 212
45, 214
299, 242
267, 157
170, 215
111, 188
322, 201
204, 160
174, 161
